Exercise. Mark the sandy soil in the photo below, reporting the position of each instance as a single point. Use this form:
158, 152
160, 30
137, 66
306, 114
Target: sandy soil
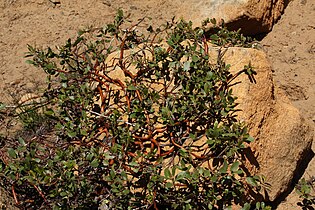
290, 45
43, 23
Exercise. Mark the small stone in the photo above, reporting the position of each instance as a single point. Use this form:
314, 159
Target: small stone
15, 82
133, 7
107, 3
55, 1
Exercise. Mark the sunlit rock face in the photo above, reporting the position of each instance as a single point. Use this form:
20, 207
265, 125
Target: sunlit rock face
282, 137
253, 16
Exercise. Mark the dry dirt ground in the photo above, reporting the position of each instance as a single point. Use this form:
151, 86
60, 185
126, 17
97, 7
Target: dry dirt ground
290, 45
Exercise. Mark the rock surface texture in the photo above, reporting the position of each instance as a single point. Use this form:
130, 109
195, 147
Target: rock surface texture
252, 16
283, 137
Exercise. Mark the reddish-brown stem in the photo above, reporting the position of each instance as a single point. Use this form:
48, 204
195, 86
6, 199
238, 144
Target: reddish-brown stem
111, 162
108, 79
40, 192
159, 130
127, 168
131, 154
205, 45
168, 152
143, 138
14, 195
121, 63
95, 66
61, 71
128, 102
156, 143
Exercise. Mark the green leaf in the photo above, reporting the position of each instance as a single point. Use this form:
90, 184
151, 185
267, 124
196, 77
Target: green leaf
2, 106
50, 66
83, 132
12, 153
49, 112
263, 205
77, 41
235, 166
170, 42
250, 139
63, 194
224, 168
80, 32
168, 185
246, 206
59, 126
131, 87
21, 141
71, 134
108, 156
251, 181
94, 163
258, 205
195, 58
134, 163
213, 21
214, 37
182, 175
187, 66
167, 173
63, 76
207, 173
126, 191
29, 62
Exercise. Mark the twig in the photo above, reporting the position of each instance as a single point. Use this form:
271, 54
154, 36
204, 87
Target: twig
14, 196
40, 192
102, 115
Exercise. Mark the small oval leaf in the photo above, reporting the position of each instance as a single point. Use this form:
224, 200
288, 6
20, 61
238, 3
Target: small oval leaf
235, 166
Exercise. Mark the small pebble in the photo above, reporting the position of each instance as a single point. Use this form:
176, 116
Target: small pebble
133, 7
15, 82
55, 1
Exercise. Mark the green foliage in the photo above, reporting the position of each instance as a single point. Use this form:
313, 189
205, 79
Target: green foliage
221, 36
142, 120
305, 189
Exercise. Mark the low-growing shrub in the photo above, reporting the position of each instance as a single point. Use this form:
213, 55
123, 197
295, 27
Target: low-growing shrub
141, 121
306, 191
